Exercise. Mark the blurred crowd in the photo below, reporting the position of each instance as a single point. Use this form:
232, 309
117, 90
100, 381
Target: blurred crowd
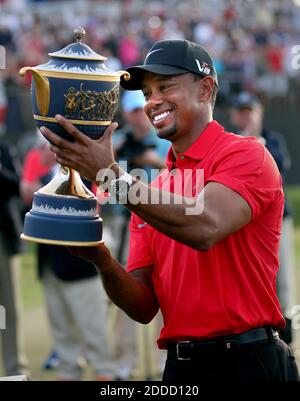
251, 41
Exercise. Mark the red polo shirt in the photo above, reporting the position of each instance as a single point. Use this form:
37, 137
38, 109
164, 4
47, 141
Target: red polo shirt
232, 287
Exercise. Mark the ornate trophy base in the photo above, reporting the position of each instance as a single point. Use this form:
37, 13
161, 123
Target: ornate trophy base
63, 220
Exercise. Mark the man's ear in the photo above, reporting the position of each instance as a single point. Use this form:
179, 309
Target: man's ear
206, 87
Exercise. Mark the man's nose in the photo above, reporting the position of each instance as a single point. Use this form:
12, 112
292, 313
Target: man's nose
154, 99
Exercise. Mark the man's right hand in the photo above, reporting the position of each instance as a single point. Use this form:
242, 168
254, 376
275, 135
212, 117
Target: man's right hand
99, 255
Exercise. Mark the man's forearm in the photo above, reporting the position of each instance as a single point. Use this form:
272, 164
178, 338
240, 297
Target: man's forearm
127, 292
179, 218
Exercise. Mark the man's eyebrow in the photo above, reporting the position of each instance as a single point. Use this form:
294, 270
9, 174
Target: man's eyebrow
161, 78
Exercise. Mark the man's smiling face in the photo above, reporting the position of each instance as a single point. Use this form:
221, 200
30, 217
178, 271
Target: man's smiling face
173, 103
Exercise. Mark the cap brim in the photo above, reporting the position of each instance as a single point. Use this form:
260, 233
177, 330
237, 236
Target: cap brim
137, 72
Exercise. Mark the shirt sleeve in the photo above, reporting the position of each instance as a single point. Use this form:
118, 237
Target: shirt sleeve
250, 170
140, 254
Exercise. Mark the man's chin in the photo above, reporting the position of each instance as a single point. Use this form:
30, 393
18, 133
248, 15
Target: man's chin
167, 133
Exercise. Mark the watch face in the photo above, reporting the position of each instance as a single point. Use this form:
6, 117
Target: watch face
119, 188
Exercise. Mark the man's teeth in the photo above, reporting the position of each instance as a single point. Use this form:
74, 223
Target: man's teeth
161, 116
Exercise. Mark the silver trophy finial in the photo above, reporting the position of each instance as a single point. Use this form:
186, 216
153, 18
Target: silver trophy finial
79, 33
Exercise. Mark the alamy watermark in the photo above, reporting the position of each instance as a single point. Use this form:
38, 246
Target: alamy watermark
296, 57
2, 58
295, 313
175, 187
2, 318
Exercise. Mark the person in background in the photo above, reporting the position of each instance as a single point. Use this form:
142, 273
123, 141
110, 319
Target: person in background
75, 300
138, 145
37, 171
37, 168
13, 352
247, 115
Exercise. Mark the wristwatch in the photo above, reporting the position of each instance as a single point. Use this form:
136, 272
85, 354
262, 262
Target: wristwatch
120, 187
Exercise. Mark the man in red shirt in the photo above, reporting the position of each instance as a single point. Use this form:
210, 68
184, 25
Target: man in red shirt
204, 234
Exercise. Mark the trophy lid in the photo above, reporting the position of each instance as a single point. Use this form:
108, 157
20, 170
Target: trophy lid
78, 50
77, 58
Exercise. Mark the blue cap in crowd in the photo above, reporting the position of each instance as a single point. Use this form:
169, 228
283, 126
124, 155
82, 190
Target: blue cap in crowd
245, 100
133, 100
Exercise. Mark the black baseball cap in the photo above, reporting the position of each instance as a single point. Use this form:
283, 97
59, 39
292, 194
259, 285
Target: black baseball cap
172, 57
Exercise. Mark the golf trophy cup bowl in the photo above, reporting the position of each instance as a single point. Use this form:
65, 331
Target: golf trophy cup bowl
76, 84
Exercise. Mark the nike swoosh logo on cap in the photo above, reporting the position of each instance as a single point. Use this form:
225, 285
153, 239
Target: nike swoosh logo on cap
153, 51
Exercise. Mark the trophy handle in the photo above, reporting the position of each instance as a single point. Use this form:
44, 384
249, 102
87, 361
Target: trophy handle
124, 74
42, 89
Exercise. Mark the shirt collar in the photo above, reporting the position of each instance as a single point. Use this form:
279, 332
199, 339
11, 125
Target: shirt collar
200, 147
